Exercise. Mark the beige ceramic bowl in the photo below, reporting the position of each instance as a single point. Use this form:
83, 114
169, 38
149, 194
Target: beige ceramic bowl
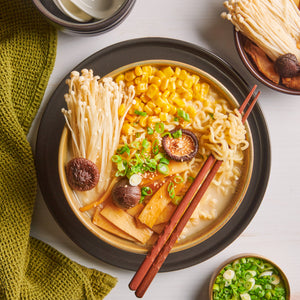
247, 255
195, 239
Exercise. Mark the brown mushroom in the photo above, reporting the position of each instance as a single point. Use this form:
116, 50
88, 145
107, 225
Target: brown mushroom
125, 195
180, 148
82, 174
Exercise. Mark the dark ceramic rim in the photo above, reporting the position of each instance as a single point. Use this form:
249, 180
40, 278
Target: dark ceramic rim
239, 39
89, 28
105, 61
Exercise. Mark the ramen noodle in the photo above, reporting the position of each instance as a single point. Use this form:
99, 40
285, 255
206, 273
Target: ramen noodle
154, 101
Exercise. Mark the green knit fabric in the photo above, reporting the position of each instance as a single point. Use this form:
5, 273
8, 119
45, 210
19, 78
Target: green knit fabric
30, 269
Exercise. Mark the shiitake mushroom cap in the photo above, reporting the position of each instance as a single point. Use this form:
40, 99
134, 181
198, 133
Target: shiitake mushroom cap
183, 148
82, 174
287, 65
125, 195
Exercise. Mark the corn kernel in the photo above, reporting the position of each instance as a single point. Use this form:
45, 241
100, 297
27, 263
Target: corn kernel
179, 102
138, 80
148, 110
196, 78
151, 104
129, 76
172, 86
164, 84
156, 80
119, 78
166, 108
173, 96
129, 83
144, 98
121, 110
160, 74
188, 95
130, 118
166, 94
183, 74
138, 71
191, 111
160, 102
163, 116
168, 71
188, 82
141, 88
173, 110
152, 91
145, 78
179, 83
147, 70
143, 121
127, 129
157, 110
196, 88
204, 89
177, 71
152, 120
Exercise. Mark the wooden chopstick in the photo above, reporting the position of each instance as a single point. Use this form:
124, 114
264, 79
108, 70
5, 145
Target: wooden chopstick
156, 257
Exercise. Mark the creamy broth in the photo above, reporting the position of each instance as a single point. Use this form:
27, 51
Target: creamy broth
169, 98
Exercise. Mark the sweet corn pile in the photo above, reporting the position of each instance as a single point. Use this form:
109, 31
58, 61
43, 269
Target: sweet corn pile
160, 92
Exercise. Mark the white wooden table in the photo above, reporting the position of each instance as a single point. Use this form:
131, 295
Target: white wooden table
275, 230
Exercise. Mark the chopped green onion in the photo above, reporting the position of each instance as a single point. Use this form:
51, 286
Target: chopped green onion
190, 178
166, 133
177, 134
159, 127
184, 115
116, 158
164, 160
159, 156
135, 144
150, 130
212, 115
138, 134
163, 168
124, 149
146, 191
177, 200
178, 179
176, 119
140, 113
155, 147
171, 190
145, 144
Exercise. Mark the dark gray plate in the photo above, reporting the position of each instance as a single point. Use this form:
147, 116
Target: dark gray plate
102, 63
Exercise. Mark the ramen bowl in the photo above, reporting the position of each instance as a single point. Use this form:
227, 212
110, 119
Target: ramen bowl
65, 23
249, 276
198, 233
240, 41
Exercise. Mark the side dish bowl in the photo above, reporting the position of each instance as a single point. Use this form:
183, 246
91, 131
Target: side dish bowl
240, 40
250, 276
195, 238
92, 27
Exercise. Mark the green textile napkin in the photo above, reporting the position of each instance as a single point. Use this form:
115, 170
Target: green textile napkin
30, 269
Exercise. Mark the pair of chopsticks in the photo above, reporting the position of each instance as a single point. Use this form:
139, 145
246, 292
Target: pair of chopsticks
156, 257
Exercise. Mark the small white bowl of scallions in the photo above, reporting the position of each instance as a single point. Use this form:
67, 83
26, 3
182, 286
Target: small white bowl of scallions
249, 277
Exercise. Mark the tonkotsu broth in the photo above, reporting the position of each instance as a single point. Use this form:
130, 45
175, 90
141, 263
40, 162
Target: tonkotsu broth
209, 111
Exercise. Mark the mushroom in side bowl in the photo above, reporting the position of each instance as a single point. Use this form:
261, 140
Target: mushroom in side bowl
268, 43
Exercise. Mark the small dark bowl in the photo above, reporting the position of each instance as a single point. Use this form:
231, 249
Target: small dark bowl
240, 40
93, 27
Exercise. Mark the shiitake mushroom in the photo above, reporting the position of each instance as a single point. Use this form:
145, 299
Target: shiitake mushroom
182, 148
125, 195
82, 174
287, 65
